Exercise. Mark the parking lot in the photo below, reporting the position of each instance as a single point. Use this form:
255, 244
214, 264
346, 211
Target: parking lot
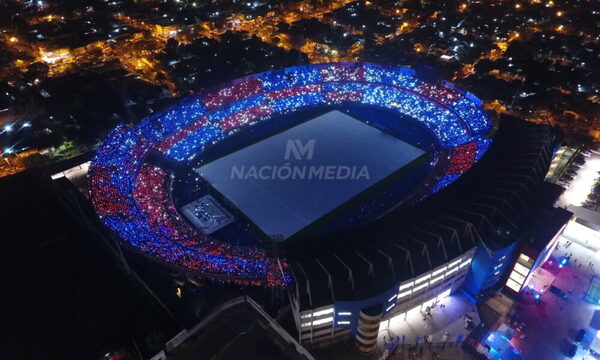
552, 325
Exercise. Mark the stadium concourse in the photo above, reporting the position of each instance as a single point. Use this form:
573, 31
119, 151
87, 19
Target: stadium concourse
347, 275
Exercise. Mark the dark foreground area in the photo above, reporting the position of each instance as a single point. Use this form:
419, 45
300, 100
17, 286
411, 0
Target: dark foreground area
64, 296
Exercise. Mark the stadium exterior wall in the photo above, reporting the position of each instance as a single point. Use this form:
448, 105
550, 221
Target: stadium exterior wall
328, 324
497, 203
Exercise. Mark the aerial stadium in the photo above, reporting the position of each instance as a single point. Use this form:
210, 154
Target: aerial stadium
363, 190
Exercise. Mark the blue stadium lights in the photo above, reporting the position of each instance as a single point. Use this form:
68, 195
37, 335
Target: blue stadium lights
133, 198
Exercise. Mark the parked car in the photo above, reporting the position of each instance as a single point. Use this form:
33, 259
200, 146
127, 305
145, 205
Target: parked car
594, 354
571, 350
579, 336
558, 292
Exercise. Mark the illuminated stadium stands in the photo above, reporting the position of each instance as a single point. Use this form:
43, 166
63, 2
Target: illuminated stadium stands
132, 195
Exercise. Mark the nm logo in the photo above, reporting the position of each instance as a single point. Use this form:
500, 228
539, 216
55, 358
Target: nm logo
298, 150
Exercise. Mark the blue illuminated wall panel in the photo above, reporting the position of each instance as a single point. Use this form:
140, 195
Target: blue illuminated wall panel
487, 270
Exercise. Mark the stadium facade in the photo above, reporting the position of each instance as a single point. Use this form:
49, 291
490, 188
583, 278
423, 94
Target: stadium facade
361, 265
466, 237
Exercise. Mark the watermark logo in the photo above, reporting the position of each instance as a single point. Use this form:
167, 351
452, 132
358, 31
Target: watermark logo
300, 151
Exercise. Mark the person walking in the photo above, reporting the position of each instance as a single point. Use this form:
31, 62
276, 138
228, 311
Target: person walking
445, 338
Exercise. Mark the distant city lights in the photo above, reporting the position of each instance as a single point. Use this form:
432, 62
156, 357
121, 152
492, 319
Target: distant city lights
52, 57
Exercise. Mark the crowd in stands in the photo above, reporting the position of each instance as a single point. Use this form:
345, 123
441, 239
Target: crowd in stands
483, 144
452, 114
145, 217
134, 200
444, 181
462, 158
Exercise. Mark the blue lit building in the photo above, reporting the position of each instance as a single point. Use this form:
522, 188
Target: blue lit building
488, 269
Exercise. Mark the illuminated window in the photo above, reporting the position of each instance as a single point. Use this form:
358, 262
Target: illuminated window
519, 273
344, 313
323, 321
323, 312
441, 270
403, 294
521, 269
407, 285
434, 280
420, 287
524, 258
424, 278
517, 277
513, 285
343, 322
454, 263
